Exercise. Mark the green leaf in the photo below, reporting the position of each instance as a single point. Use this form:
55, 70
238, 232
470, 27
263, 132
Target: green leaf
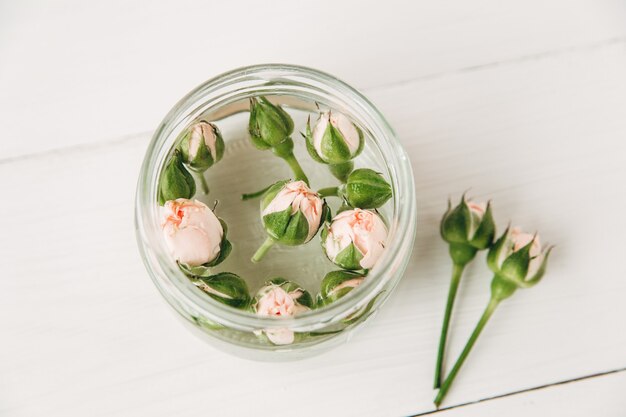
496, 249
276, 223
334, 147
176, 181
515, 266
483, 238
349, 258
296, 231
309, 143
227, 288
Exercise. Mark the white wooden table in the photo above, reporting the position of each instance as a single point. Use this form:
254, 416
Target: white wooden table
524, 102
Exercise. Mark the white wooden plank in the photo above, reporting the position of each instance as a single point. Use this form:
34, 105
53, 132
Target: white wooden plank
598, 396
89, 72
84, 332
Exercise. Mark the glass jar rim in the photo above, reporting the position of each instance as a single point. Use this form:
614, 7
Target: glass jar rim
181, 293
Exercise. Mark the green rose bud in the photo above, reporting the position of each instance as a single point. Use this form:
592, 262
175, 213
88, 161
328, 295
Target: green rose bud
176, 181
269, 124
202, 146
336, 284
225, 287
334, 139
468, 228
518, 261
365, 189
292, 214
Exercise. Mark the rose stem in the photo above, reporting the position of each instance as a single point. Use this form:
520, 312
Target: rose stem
328, 192
491, 307
203, 183
260, 253
295, 167
255, 194
457, 271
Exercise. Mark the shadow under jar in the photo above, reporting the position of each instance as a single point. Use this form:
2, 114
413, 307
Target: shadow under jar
224, 100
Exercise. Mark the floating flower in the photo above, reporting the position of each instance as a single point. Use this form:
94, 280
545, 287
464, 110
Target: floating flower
202, 146
292, 214
193, 233
334, 139
355, 239
281, 298
225, 287
365, 189
336, 284
176, 181
270, 127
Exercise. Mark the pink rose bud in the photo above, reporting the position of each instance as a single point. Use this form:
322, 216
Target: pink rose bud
355, 239
192, 231
281, 298
514, 241
334, 139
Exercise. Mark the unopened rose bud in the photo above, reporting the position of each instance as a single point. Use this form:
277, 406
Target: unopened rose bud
355, 239
366, 189
202, 146
468, 228
194, 234
281, 298
517, 258
334, 139
225, 287
176, 181
269, 124
336, 284
292, 214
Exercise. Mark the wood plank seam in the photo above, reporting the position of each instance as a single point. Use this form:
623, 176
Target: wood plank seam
524, 391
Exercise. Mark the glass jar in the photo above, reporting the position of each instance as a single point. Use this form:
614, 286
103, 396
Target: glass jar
236, 331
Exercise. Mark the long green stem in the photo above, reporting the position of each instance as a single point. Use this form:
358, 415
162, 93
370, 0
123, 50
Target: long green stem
260, 253
295, 167
491, 307
457, 272
255, 194
203, 183
328, 192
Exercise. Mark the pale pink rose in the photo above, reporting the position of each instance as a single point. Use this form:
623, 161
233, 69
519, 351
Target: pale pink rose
276, 302
364, 228
202, 131
477, 212
341, 123
516, 240
192, 231
300, 197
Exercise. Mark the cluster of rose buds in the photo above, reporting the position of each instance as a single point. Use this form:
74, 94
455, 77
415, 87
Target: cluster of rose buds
291, 213
516, 259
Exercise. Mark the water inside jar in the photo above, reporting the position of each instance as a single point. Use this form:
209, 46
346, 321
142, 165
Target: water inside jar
245, 169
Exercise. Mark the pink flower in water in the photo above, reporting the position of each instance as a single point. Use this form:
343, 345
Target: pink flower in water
364, 230
192, 231
274, 301
301, 198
